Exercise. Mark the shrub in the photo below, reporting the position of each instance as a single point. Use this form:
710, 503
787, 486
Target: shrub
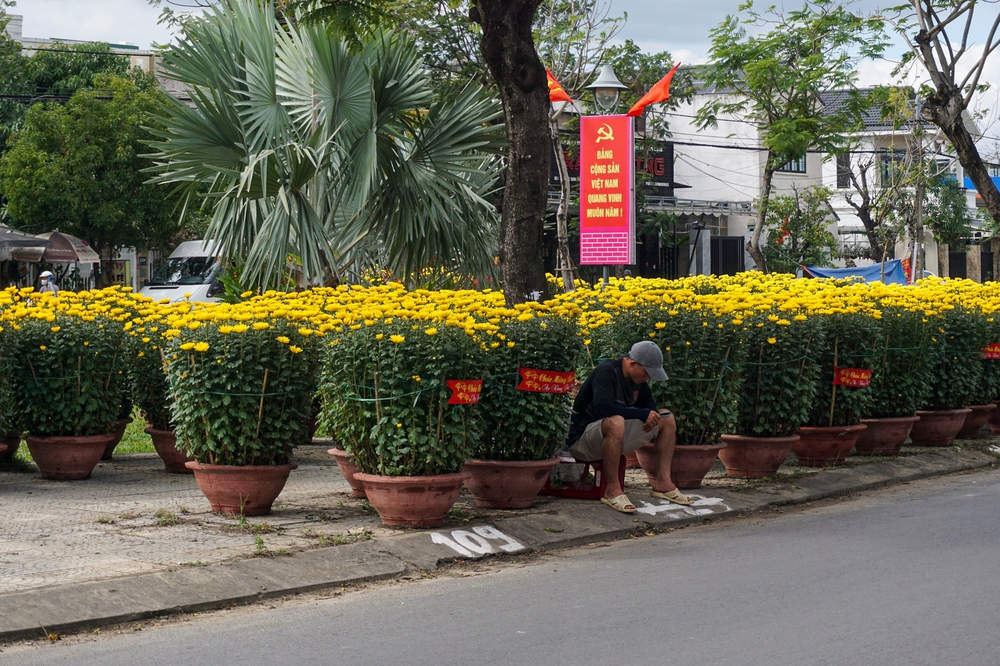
385, 396
901, 364
242, 391
523, 425
148, 382
70, 374
849, 342
956, 358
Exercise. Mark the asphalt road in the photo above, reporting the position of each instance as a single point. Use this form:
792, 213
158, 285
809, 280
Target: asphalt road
907, 576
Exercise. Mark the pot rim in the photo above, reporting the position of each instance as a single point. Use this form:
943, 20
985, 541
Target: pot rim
195, 465
71, 439
151, 430
479, 462
818, 429
720, 445
943, 412
892, 419
787, 439
430, 478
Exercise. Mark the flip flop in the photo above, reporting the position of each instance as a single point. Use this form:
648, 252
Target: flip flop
675, 496
620, 503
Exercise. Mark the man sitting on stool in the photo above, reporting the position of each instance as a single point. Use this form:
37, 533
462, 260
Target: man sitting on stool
614, 414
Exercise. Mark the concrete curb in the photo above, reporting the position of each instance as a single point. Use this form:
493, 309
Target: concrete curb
33, 614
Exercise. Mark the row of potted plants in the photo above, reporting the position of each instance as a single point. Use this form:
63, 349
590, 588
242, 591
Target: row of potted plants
748, 358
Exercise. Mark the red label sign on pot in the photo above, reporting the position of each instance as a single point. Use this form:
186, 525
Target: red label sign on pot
465, 391
853, 377
546, 381
992, 350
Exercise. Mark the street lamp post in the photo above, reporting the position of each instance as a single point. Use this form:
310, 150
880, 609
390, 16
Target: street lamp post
607, 91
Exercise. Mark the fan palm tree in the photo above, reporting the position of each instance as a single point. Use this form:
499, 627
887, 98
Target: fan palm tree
340, 157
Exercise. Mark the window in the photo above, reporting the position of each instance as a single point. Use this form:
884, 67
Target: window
843, 171
797, 165
892, 167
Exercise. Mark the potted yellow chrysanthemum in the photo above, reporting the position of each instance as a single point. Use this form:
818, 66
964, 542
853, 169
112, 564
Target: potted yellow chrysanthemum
242, 393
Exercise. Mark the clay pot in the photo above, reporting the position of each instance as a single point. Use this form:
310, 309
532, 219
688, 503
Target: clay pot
3, 448
994, 421
118, 431
937, 428
975, 421
754, 457
10, 444
689, 465
165, 444
415, 501
632, 461
824, 446
345, 461
884, 437
248, 490
67, 458
507, 484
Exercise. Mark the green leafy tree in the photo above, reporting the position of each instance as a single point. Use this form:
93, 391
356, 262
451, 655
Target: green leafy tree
774, 80
344, 159
799, 233
946, 211
78, 167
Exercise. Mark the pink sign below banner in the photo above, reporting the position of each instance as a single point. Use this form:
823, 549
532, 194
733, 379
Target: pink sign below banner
607, 191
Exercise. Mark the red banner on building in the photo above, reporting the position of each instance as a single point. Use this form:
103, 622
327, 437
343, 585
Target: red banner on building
465, 391
607, 190
546, 381
992, 350
853, 377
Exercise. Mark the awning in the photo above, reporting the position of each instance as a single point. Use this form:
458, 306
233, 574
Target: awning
63, 249
893, 272
11, 241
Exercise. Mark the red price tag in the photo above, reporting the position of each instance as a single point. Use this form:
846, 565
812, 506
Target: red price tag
853, 377
465, 391
546, 381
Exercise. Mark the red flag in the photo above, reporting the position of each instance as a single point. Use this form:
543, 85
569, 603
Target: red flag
658, 93
556, 91
546, 381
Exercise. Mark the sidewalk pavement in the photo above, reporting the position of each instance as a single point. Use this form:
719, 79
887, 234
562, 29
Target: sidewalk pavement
134, 542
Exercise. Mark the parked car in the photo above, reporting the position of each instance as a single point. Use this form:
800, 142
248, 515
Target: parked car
191, 272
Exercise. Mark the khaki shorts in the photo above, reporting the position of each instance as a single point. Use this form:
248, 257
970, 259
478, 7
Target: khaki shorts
590, 445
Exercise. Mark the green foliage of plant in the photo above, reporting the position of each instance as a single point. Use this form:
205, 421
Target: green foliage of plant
246, 400
956, 357
69, 373
809, 241
523, 425
148, 383
11, 412
901, 365
988, 389
702, 355
849, 342
780, 375
387, 401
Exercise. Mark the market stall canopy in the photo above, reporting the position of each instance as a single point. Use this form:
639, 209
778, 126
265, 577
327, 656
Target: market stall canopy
63, 249
891, 272
11, 240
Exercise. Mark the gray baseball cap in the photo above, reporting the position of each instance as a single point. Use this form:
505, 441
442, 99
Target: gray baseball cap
647, 354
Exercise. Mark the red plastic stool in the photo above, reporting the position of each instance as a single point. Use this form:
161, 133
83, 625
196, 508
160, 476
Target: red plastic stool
583, 488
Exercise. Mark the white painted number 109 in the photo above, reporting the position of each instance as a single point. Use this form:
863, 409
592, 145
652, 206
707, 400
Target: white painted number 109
477, 542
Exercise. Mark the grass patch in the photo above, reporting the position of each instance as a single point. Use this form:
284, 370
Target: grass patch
106, 520
135, 439
165, 518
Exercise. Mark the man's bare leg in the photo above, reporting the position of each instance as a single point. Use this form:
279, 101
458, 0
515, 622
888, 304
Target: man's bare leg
664, 445
613, 429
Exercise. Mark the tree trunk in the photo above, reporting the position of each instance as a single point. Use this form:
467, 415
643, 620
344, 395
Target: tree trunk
945, 111
753, 247
509, 52
565, 269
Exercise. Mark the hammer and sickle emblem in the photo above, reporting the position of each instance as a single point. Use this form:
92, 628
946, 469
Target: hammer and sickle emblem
604, 132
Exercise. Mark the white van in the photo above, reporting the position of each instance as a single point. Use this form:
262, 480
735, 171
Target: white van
190, 273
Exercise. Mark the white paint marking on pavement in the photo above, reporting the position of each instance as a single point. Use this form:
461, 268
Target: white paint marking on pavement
677, 511
476, 542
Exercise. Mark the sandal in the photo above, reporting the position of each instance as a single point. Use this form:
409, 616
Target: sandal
675, 496
620, 503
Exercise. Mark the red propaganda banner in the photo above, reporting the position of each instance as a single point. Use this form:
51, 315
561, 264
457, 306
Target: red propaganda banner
607, 191
853, 377
465, 391
992, 350
546, 381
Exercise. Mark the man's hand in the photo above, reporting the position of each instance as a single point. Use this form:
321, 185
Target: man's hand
652, 421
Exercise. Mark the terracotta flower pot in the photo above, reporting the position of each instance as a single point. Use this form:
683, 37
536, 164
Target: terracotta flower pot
10, 443
415, 501
165, 444
66, 458
937, 428
824, 446
632, 461
754, 457
118, 431
689, 465
345, 461
975, 421
3, 448
884, 437
994, 421
507, 484
248, 490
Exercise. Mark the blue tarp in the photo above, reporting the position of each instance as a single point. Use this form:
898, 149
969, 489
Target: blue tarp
894, 273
